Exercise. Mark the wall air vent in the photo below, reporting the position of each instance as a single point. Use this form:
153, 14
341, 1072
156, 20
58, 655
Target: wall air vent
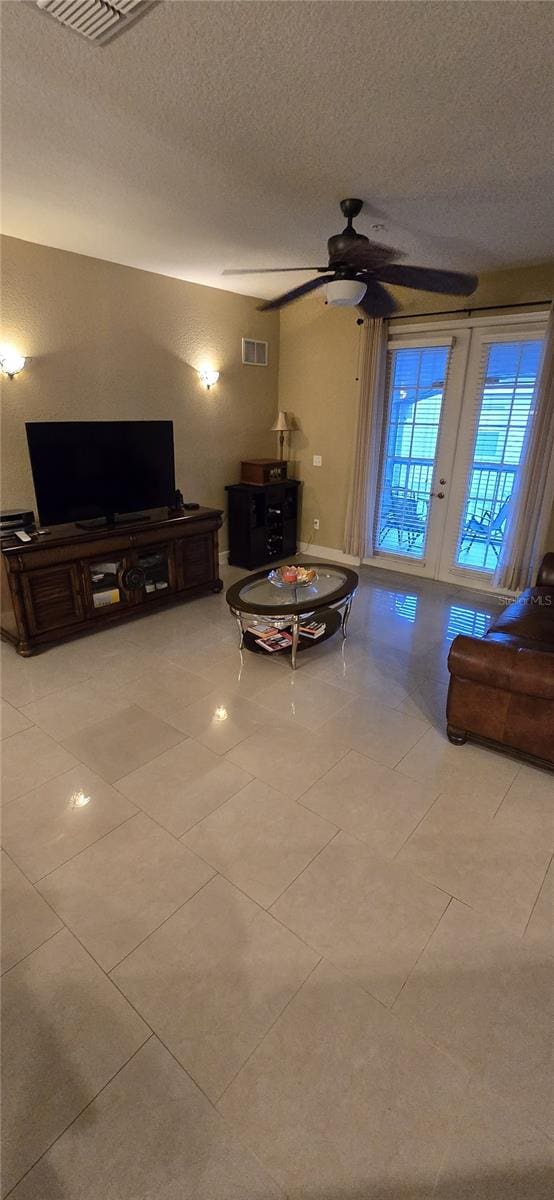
96, 20
254, 354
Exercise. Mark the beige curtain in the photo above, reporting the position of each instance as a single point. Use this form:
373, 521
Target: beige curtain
531, 506
358, 531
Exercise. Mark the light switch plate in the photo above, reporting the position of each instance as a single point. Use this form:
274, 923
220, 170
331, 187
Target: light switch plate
317, 460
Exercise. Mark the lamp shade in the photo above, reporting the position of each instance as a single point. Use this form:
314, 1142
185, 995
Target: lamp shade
346, 292
282, 423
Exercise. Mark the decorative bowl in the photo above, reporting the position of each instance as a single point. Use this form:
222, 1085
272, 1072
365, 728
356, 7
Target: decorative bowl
276, 578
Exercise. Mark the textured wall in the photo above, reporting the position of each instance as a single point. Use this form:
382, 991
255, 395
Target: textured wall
114, 343
317, 382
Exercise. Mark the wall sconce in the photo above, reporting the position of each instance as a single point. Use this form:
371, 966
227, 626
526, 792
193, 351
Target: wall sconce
208, 377
11, 363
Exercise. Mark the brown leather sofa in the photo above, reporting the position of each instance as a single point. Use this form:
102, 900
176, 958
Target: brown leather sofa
502, 685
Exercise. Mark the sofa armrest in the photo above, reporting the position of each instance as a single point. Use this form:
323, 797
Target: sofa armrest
500, 665
545, 577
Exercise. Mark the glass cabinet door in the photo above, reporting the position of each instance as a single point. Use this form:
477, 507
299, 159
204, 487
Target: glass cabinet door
156, 563
106, 582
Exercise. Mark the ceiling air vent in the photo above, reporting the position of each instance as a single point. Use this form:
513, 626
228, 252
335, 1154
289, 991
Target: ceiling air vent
96, 20
254, 354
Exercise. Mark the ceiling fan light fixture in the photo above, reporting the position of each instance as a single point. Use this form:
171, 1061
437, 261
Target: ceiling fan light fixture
345, 293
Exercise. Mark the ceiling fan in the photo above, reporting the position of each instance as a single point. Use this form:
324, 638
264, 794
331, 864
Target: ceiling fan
358, 268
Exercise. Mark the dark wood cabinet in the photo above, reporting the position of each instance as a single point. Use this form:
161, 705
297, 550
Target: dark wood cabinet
71, 580
52, 597
263, 522
197, 559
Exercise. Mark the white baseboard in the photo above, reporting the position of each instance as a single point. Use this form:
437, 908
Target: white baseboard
223, 558
328, 552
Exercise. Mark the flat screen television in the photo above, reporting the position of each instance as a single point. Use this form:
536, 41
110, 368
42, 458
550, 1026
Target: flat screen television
86, 470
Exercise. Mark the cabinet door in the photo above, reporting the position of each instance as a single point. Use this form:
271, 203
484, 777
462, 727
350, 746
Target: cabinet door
157, 567
105, 587
198, 559
52, 597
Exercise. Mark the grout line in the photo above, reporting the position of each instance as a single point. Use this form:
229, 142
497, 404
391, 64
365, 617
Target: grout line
84, 849
336, 830
268, 1030
38, 947
76, 1117
113, 782
336, 966
551, 860
416, 827
504, 796
45, 696
421, 953
158, 1035
60, 775
179, 836
428, 726
34, 887
151, 932
106, 972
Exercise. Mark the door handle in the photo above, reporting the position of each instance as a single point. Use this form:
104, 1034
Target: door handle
439, 495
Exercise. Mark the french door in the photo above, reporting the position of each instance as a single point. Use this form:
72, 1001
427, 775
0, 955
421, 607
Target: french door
458, 406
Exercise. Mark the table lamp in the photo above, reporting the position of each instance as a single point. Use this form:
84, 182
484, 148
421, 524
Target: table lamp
281, 426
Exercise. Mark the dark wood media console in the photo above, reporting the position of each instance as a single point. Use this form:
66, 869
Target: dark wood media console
72, 580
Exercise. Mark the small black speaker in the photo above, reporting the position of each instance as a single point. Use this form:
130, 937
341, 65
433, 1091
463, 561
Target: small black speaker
133, 578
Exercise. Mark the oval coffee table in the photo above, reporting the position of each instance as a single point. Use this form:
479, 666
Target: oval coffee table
329, 598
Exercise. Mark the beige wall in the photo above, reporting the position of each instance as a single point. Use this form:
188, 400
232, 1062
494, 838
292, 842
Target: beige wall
317, 382
110, 342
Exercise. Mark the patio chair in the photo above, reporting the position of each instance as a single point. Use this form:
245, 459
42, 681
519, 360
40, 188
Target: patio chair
402, 513
485, 528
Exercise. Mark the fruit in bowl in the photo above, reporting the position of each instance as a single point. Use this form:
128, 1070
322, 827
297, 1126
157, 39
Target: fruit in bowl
293, 575
305, 574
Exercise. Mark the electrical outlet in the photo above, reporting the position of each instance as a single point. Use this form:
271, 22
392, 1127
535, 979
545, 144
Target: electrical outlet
317, 460
316, 522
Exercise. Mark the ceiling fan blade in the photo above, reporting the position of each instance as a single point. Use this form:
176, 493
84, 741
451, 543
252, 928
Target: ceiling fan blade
377, 302
270, 270
364, 255
450, 283
295, 294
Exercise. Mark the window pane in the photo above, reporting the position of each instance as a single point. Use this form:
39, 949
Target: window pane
414, 403
506, 399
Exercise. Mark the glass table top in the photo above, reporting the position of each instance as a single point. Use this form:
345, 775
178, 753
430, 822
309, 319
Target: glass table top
261, 591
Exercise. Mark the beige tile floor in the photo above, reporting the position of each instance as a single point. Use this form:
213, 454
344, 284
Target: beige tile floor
265, 935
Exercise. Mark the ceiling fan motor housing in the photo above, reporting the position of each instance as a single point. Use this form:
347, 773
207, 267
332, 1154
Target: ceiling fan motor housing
339, 245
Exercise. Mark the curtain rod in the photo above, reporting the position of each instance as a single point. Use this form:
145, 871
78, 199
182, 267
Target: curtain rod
469, 311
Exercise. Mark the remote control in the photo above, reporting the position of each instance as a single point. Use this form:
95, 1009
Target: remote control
190, 504
23, 537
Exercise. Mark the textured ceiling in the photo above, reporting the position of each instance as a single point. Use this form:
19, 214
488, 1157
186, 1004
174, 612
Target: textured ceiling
214, 135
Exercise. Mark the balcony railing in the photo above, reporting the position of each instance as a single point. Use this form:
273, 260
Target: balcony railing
402, 519
484, 516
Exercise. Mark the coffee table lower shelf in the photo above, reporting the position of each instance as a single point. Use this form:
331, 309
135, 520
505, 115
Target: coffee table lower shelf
332, 619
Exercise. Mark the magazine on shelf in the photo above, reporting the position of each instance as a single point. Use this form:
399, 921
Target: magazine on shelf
312, 629
279, 641
262, 631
